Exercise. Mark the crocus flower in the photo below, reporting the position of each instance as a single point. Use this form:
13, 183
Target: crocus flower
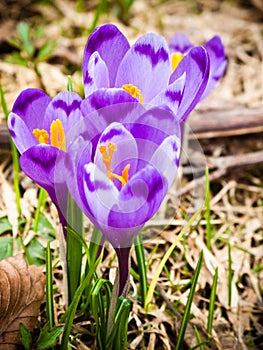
144, 69
120, 177
38, 125
180, 45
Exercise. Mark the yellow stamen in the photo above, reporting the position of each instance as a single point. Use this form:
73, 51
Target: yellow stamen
133, 91
125, 173
176, 58
57, 135
107, 154
41, 135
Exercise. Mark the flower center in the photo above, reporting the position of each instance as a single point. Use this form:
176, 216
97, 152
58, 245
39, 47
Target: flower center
133, 91
57, 135
107, 154
176, 58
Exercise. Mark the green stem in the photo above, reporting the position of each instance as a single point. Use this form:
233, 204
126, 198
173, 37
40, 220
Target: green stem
74, 248
49, 287
40, 205
15, 156
141, 267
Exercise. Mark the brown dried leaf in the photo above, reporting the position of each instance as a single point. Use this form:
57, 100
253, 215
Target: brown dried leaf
21, 293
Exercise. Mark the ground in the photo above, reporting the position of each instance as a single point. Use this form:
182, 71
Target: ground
227, 128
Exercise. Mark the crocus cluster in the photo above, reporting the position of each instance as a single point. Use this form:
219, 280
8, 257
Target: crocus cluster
117, 150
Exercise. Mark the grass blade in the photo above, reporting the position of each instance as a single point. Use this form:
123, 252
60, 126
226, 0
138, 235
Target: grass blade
186, 315
230, 275
49, 287
212, 304
15, 155
207, 210
152, 286
40, 205
74, 304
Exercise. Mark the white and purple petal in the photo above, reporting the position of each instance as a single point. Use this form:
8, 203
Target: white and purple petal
106, 106
138, 201
100, 195
180, 43
111, 44
97, 75
172, 95
218, 62
146, 65
38, 163
166, 158
20, 133
65, 106
196, 67
151, 129
31, 105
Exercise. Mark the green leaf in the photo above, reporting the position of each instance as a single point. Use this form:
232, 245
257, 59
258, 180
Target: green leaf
23, 31
36, 251
49, 287
16, 58
25, 335
45, 228
212, 304
6, 244
139, 250
187, 311
5, 225
14, 42
70, 312
46, 50
48, 338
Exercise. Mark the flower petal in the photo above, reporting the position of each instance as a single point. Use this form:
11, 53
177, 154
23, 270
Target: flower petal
20, 133
138, 201
172, 95
100, 195
166, 158
38, 163
106, 106
97, 75
196, 66
111, 44
218, 62
154, 126
65, 106
31, 105
146, 65
180, 43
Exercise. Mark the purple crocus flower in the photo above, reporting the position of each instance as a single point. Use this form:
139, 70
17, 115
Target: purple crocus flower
180, 45
144, 69
38, 126
120, 176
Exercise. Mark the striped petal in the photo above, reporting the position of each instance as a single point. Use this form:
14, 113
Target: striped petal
146, 65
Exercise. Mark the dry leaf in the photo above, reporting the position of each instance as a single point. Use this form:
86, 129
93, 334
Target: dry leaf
21, 293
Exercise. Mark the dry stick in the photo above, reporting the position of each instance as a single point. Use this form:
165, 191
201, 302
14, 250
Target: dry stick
223, 164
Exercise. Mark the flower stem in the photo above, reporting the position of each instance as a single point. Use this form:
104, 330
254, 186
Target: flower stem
121, 284
74, 248
14, 155
141, 267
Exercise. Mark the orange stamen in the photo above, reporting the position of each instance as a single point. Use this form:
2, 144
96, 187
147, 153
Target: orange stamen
133, 91
107, 154
57, 135
41, 135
